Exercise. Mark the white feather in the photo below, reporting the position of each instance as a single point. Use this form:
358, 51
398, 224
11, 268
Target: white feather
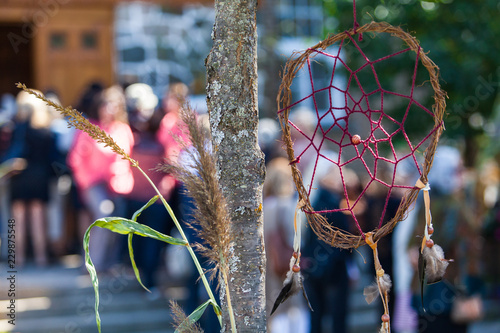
435, 263
385, 283
371, 292
384, 328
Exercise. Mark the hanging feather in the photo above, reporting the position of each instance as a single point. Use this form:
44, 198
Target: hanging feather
290, 287
421, 276
384, 328
435, 263
382, 285
371, 292
431, 266
306, 298
385, 283
294, 282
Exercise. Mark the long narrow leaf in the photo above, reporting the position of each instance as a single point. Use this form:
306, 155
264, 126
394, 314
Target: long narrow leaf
132, 260
125, 227
196, 314
93, 276
139, 211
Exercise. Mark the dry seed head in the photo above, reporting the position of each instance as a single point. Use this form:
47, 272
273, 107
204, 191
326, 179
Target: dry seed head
211, 218
77, 120
181, 322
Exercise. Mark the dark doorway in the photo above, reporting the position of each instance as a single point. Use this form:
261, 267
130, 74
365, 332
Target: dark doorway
16, 57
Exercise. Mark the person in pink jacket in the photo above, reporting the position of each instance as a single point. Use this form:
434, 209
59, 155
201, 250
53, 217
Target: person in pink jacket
171, 126
101, 176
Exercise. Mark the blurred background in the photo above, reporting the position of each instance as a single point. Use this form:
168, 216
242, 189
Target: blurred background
126, 64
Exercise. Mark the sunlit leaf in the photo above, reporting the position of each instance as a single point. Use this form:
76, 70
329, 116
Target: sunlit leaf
139, 211
125, 227
134, 266
196, 314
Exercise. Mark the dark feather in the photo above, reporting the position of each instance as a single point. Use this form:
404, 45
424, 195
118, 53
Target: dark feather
292, 284
431, 267
307, 298
283, 296
421, 276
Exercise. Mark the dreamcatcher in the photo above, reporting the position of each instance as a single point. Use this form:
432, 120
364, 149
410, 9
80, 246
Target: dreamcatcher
377, 152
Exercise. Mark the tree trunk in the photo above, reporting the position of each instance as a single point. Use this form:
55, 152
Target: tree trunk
232, 104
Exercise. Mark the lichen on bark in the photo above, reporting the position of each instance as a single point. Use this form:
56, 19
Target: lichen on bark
232, 104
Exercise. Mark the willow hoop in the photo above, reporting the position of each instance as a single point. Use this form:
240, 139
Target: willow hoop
319, 224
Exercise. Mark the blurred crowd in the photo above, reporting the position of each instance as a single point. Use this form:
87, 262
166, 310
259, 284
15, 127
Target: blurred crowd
55, 181
465, 209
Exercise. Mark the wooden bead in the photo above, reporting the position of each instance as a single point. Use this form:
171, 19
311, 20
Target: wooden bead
386, 318
296, 268
295, 255
356, 139
430, 230
429, 243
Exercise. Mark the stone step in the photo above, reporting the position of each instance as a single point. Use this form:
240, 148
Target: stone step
60, 300
82, 303
138, 320
68, 306
127, 311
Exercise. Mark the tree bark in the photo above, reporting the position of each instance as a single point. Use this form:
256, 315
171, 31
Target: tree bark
232, 104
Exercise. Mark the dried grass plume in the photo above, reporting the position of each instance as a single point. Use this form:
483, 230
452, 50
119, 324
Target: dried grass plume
197, 170
77, 120
180, 321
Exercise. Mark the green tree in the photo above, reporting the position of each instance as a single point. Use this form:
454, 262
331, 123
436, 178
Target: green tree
462, 39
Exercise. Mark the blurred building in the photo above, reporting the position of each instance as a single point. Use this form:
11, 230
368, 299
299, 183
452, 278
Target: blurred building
157, 44
64, 45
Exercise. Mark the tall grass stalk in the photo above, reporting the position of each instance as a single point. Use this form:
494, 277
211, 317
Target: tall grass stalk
78, 121
197, 170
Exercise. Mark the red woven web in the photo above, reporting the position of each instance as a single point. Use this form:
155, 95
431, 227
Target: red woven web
376, 153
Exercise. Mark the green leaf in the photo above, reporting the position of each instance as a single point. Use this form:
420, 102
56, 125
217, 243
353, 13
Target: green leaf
196, 315
134, 266
139, 211
93, 275
125, 227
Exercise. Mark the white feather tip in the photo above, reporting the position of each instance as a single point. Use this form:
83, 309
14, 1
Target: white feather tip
435, 263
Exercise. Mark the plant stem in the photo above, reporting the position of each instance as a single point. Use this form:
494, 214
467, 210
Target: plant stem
188, 246
228, 296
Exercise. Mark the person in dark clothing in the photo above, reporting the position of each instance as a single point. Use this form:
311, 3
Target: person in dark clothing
457, 232
34, 142
141, 103
326, 277
377, 206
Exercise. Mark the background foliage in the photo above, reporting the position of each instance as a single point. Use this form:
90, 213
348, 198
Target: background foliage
462, 37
